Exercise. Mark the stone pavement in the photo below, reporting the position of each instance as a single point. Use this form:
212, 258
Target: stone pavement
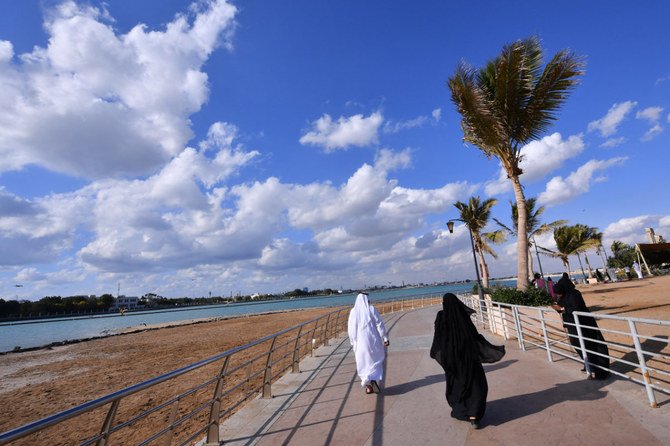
531, 401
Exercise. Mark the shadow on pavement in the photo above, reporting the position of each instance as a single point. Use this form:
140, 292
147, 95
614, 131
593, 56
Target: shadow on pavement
514, 407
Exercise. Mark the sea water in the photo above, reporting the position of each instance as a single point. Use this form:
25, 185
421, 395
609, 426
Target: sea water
41, 332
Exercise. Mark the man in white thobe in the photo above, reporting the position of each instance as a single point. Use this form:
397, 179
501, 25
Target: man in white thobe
367, 335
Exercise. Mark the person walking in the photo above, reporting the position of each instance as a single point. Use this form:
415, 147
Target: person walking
368, 339
637, 269
460, 350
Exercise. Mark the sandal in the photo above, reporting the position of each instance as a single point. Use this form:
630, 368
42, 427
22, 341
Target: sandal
368, 389
375, 387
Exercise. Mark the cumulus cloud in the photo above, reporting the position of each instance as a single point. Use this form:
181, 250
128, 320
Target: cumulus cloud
189, 220
631, 230
539, 158
560, 190
608, 124
96, 103
355, 130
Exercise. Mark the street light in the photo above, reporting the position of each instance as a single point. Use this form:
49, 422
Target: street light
539, 262
450, 226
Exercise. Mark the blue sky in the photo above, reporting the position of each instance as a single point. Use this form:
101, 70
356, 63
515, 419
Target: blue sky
181, 148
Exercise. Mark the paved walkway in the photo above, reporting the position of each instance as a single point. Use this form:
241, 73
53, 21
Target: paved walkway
530, 401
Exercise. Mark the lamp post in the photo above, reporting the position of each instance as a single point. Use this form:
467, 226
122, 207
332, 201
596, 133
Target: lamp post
537, 254
450, 226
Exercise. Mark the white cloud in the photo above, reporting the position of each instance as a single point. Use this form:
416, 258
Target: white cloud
437, 114
560, 190
650, 134
608, 124
355, 130
96, 103
187, 222
613, 142
631, 230
539, 158
395, 127
651, 115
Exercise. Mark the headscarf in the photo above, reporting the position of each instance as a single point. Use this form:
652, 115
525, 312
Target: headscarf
456, 338
564, 283
362, 310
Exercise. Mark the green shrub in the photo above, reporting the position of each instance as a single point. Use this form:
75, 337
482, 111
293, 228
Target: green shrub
532, 297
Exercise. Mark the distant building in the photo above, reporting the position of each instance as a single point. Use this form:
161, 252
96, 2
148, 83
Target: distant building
126, 303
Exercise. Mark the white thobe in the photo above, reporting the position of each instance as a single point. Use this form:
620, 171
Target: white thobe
367, 335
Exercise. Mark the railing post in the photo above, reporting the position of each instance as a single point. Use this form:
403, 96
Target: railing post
585, 356
325, 331
295, 368
519, 328
213, 429
545, 336
107, 425
313, 343
503, 315
173, 416
643, 364
267, 376
493, 326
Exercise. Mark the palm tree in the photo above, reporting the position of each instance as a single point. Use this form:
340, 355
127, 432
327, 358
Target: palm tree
572, 240
508, 103
533, 226
476, 214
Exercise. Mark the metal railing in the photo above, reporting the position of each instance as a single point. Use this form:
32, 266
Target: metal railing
639, 349
182, 406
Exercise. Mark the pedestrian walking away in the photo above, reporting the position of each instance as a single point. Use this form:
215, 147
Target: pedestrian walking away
460, 350
368, 339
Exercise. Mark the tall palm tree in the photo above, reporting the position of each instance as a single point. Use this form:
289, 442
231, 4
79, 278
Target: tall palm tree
534, 226
600, 249
572, 240
476, 214
506, 104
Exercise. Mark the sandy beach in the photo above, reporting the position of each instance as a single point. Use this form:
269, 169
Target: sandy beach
39, 383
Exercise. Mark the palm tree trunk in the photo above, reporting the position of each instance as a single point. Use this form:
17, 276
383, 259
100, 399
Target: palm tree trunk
588, 266
601, 249
531, 268
484, 268
580, 265
522, 235
566, 263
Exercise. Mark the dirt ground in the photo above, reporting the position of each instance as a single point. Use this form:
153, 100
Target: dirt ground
38, 383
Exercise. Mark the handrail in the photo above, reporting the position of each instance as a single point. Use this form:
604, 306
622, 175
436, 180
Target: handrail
319, 334
537, 331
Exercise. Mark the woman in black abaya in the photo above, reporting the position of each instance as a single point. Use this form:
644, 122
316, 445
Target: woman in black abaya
456, 347
569, 299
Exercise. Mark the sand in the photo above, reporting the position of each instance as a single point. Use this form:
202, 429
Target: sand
39, 383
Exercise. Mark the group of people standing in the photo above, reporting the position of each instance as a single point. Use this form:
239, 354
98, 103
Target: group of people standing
460, 350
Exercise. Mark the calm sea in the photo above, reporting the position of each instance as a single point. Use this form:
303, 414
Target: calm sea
36, 333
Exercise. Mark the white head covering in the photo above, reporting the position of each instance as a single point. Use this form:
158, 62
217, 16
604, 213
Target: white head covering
362, 310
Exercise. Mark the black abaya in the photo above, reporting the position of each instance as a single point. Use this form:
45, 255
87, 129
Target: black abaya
455, 348
571, 301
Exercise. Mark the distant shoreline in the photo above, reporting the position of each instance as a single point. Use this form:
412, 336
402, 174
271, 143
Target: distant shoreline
149, 327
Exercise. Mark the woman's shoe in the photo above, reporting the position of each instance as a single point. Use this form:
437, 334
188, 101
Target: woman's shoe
375, 387
369, 389
474, 424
